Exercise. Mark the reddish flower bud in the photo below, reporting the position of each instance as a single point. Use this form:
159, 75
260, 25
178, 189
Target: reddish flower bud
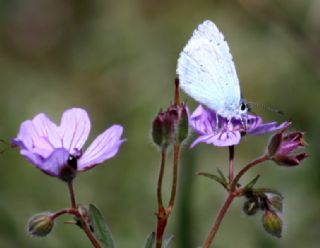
283, 146
171, 126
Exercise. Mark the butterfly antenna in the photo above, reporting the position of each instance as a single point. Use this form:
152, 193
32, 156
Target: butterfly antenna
260, 105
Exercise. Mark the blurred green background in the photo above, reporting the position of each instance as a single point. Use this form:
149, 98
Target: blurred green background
117, 59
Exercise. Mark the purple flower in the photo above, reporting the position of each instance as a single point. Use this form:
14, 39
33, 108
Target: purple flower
58, 149
219, 131
283, 147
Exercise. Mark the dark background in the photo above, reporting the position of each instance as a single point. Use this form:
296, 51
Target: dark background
117, 59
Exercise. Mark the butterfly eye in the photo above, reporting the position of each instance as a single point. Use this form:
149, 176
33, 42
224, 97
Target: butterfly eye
243, 107
72, 161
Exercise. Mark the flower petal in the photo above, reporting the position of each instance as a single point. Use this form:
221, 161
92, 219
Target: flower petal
40, 133
105, 146
258, 127
219, 139
74, 129
228, 139
203, 121
52, 164
202, 138
33, 158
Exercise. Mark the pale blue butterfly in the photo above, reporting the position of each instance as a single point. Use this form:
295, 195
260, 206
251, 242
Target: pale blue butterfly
207, 73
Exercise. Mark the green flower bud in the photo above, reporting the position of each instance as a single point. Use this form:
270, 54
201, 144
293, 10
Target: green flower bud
40, 225
272, 223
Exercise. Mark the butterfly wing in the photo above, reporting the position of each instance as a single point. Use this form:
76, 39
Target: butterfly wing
207, 72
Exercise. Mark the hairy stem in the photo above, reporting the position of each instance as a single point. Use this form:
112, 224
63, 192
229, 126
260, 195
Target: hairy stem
83, 224
86, 228
164, 213
73, 210
161, 214
176, 156
160, 179
233, 192
246, 168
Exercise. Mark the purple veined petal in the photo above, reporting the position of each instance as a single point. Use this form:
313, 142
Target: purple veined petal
105, 146
203, 121
199, 111
26, 136
74, 129
47, 129
33, 158
228, 139
54, 163
34, 134
266, 128
222, 138
203, 139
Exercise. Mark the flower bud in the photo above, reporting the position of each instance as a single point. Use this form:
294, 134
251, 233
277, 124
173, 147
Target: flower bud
272, 223
183, 124
275, 201
251, 206
171, 126
40, 225
282, 147
274, 144
158, 129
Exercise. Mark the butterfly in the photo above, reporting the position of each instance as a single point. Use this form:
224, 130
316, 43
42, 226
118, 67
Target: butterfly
207, 73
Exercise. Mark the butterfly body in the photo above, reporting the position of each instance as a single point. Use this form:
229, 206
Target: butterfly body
207, 72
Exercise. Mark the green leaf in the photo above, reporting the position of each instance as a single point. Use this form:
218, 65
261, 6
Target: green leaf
222, 176
249, 186
100, 229
167, 241
150, 240
215, 178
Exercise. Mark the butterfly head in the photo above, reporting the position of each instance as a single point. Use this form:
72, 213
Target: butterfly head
244, 107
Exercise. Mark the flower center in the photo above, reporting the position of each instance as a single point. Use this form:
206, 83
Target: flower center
72, 161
